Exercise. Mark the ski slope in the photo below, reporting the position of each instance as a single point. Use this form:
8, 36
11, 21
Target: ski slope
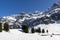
16, 34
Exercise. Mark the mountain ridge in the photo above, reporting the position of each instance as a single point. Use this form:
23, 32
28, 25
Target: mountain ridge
33, 19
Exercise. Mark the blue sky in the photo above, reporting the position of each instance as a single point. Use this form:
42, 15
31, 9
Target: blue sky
9, 7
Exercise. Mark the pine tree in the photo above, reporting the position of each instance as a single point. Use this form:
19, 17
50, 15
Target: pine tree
47, 31
32, 30
25, 28
6, 27
43, 31
0, 27
38, 30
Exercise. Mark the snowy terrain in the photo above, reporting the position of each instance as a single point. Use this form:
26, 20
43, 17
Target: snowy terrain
47, 20
15, 34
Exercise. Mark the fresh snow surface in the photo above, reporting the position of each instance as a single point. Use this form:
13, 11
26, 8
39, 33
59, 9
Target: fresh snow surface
52, 28
9, 18
16, 34
57, 9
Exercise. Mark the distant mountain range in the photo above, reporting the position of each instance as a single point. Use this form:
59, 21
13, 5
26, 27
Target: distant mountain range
49, 16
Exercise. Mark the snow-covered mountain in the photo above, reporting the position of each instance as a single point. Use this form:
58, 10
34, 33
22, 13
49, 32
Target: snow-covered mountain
49, 16
47, 20
19, 19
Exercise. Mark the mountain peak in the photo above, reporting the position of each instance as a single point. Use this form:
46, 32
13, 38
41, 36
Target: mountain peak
56, 5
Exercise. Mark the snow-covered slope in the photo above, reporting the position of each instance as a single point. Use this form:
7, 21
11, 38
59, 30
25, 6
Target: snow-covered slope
14, 34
